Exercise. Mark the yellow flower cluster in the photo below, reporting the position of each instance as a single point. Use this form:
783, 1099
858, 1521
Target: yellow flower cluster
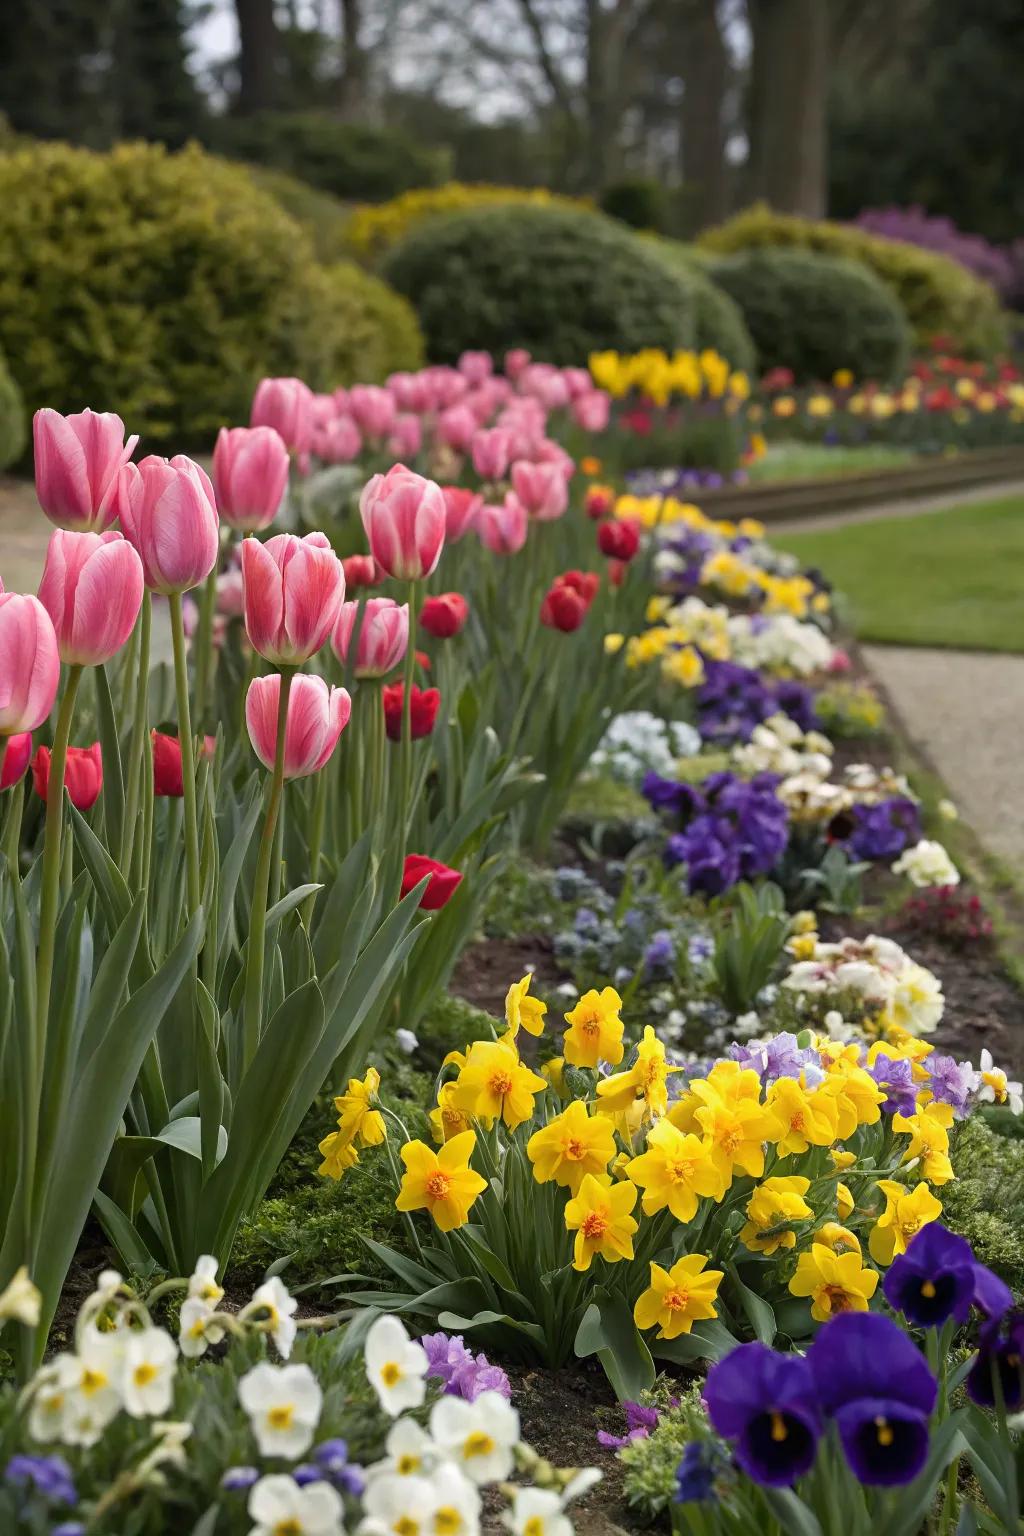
375, 227
659, 376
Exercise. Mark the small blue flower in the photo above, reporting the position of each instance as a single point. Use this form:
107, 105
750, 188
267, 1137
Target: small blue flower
48, 1475
239, 1479
695, 1474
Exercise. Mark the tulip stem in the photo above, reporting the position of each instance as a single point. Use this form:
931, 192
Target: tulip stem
406, 745
253, 1007
204, 641
193, 883
140, 730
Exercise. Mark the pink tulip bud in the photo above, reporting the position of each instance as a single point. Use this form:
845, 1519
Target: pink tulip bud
29, 663
461, 507
317, 715
502, 528
292, 589
456, 427
92, 589
383, 638
373, 409
406, 440
168, 512
476, 366
338, 442
541, 488
231, 593
490, 451
516, 361
404, 518
78, 460
591, 411
250, 473
287, 406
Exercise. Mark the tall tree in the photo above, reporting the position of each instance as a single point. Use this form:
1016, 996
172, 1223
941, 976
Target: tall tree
705, 70
788, 96
259, 56
156, 95
355, 62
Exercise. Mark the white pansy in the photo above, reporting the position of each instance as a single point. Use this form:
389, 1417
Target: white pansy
272, 1310
202, 1285
90, 1382
283, 1403
916, 1003
49, 1400
407, 1040
581, 1483
927, 864
399, 1506
537, 1512
479, 1436
947, 810
995, 1086
195, 1331
457, 1503
410, 1452
20, 1300
147, 1374
279, 1507
396, 1368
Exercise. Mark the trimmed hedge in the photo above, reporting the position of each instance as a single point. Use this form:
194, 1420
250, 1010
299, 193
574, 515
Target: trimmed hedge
816, 314
324, 218
718, 319
349, 160
559, 282
13, 422
374, 231
162, 287
938, 296
377, 329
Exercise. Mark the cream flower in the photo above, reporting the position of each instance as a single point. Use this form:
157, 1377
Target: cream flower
272, 1311
396, 1368
537, 1512
283, 1403
202, 1285
280, 1507
195, 1331
927, 864
148, 1369
20, 1300
478, 1437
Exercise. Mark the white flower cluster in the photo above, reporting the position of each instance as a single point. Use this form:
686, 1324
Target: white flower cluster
779, 643
927, 864
780, 746
637, 741
904, 995
811, 796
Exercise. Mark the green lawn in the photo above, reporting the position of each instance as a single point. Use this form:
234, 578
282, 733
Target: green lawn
951, 578
809, 461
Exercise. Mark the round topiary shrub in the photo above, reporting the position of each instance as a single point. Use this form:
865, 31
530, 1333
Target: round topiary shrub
159, 286
377, 329
560, 283
13, 424
718, 319
374, 229
816, 314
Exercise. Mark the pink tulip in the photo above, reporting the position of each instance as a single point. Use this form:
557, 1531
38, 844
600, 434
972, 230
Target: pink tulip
325, 408
456, 427
591, 411
502, 528
292, 589
92, 589
411, 391
16, 757
541, 488
484, 400
404, 518
383, 638
577, 381
317, 715
373, 409
476, 366
338, 441
78, 461
286, 405
460, 508
490, 451
550, 452
169, 512
29, 663
406, 440
445, 384
250, 473
231, 593
516, 361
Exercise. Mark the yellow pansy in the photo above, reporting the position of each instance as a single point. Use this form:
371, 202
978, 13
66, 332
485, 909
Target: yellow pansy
595, 1030
833, 1282
856, 1095
448, 1120
494, 1084
772, 1205
675, 1170
442, 1182
685, 666
678, 1297
599, 1215
906, 1212
339, 1155
358, 1121
929, 1140
806, 1119
845, 1203
837, 1237
571, 1146
523, 1011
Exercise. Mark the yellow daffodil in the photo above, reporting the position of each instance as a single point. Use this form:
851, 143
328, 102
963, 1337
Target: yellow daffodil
772, 1205
448, 1120
729, 1081
906, 1212
523, 1011
599, 1215
571, 1146
553, 1071
648, 1077
442, 1182
806, 1119
495, 1085
358, 1121
735, 1134
339, 1155
839, 1238
678, 1297
675, 1170
834, 1282
595, 1030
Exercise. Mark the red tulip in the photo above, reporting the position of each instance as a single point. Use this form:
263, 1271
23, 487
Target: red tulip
597, 503
361, 571
618, 570
83, 774
424, 706
619, 540
19, 750
445, 615
167, 780
460, 508
567, 600
441, 885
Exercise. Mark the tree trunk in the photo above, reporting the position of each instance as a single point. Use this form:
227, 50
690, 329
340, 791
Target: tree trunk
259, 52
788, 90
352, 92
705, 68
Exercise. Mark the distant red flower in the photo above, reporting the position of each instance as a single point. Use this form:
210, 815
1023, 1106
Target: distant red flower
167, 779
424, 704
567, 600
19, 750
441, 885
83, 774
445, 615
361, 571
620, 539
618, 570
597, 502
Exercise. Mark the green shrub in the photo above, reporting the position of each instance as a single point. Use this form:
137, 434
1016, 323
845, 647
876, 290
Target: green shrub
13, 424
324, 218
639, 202
561, 283
939, 297
163, 287
349, 160
376, 329
374, 230
815, 314
718, 319
985, 1202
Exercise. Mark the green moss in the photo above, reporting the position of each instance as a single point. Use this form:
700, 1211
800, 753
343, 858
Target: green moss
599, 797
985, 1203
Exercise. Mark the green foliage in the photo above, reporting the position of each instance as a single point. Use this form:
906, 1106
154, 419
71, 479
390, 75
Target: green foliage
985, 1202
938, 296
349, 160
377, 330
651, 1460
637, 201
159, 286
561, 283
816, 314
748, 949
718, 319
324, 217
839, 879
524, 903
13, 424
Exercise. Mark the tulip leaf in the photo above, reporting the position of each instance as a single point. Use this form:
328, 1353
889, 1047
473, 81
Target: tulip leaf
450, 1320
758, 1313
113, 776
791, 1512
707, 1340
130, 1245
608, 1331
288, 903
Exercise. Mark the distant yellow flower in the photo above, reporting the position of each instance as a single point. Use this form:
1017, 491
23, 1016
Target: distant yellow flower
784, 405
906, 1212
442, 1182
845, 1203
802, 946
599, 1215
929, 1140
595, 1030
834, 1282
685, 666
523, 1011
803, 922
590, 466
806, 1119
819, 405
842, 378
772, 1205
339, 1155
613, 644
839, 1238
495, 1085
678, 1297
656, 609
571, 1146
448, 1120
358, 1121
675, 1170
647, 1077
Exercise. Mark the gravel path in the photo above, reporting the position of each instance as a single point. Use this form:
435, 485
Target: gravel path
965, 711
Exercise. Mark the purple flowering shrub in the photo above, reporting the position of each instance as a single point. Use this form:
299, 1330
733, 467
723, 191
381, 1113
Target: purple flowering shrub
995, 264
731, 829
